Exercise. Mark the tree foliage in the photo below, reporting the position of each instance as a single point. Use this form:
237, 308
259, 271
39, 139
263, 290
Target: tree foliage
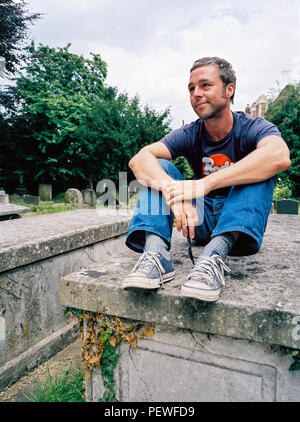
284, 111
116, 129
65, 123
14, 22
183, 166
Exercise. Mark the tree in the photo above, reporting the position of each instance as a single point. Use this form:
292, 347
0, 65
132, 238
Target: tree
14, 23
183, 166
66, 123
46, 107
114, 130
284, 111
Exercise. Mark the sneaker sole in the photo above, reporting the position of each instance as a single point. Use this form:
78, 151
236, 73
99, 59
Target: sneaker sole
146, 283
206, 296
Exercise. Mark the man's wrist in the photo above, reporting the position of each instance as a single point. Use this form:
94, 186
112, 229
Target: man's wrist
162, 183
208, 185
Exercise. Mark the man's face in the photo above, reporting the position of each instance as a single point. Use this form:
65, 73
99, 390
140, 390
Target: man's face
208, 95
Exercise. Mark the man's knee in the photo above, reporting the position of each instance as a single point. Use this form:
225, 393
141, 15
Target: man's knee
170, 169
166, 164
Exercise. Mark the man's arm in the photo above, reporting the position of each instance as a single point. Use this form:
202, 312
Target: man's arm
270, 157
146, 167
149, 172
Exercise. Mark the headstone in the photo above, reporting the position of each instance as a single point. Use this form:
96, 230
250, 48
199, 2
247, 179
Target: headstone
287, 206
30, 199
3, 198
21, 189
7, 210
45, 192
74, 197
89, 197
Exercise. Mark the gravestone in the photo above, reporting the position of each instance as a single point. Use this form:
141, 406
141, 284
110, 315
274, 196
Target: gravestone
287, 206
3, 198
21, 189
31, 199
89, 197
45, 192
74, 197
8, 210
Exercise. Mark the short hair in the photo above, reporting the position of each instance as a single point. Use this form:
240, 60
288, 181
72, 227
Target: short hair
227, 74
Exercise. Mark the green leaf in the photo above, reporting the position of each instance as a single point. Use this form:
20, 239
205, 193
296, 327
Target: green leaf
105, 335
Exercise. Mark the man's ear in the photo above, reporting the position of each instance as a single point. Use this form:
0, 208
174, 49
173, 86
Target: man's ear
230, 88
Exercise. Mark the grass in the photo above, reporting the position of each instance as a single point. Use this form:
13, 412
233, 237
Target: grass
57, 205
66, 386
48, 207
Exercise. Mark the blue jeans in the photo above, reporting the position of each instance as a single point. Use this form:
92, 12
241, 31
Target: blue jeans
245, 209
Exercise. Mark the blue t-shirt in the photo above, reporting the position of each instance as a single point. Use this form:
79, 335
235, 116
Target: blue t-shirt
206, 156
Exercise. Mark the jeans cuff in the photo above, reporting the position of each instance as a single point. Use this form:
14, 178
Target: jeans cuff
138, 246
243, 246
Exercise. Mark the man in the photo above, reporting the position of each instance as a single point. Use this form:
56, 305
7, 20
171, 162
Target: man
235, 158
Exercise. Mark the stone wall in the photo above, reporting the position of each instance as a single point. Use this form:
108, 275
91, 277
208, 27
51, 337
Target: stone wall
179, 365
35, 253
231, 350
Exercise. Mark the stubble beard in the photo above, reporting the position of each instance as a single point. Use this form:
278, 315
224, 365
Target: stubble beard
215, 111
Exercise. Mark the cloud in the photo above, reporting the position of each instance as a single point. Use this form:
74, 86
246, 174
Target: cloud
150, 46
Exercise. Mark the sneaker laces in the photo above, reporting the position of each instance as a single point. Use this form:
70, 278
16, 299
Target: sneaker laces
210, 267
147, 261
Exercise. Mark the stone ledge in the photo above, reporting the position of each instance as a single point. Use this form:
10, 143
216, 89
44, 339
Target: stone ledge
24, 241
11, 371
259, 303
11, 209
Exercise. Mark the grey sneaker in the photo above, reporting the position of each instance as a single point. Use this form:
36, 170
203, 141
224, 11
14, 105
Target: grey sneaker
206, 280
150, 272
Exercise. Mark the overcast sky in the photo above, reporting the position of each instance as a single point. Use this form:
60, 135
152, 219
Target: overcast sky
150, 45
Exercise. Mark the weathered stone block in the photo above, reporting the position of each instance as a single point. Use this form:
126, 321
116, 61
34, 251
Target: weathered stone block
89, 197
3, 198
178, 365
74, 197
31, 199
287, 206
203, 351
25, 241
8, 210
45, 192
35, 253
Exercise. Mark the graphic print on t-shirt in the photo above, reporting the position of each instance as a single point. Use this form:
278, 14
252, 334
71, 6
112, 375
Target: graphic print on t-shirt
214, 163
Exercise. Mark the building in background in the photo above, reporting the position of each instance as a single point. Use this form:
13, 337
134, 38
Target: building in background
259, 107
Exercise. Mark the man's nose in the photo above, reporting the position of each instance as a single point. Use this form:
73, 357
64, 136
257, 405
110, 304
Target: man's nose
198, 91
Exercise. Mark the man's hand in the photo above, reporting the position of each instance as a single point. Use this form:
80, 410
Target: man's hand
178, 195
185, 213
180, 190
